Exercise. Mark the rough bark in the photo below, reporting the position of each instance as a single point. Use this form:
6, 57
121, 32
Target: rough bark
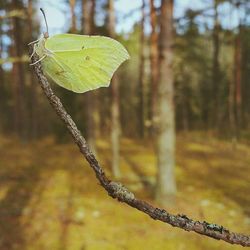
166, 186
153, 61
118, 191
115, 111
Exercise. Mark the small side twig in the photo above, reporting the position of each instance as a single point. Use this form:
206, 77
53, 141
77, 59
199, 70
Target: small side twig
121, 193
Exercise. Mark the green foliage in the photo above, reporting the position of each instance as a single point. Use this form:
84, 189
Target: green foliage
193, 56
129, 82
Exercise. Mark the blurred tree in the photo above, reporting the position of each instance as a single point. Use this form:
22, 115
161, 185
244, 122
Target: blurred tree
166, 186
231, 92
153, 61
115, 111
237, 96
85, 21
142, 82
245, 66
2, 82
72, 4
237, 75
128, 84
33, 87
20, 118
216, 75
192, 75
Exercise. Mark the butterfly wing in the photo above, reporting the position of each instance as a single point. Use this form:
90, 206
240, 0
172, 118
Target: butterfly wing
59, 72
86, 62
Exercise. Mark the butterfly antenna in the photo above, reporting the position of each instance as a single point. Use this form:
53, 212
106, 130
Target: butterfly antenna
46, 34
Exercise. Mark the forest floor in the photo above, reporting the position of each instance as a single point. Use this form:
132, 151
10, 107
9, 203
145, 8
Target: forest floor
50, 199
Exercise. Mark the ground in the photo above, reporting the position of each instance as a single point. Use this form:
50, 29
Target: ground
50, 199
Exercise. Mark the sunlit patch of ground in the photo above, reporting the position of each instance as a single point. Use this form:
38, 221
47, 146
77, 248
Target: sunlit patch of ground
50, 199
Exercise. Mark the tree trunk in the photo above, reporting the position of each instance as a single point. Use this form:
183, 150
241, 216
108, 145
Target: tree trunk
72, 4
184, 107
215, 112
88, 17
92, 16
115, 129
88, 28
231, 98
237, 78
153, 62
141, 113
235, 92
231, 108
18, 75
2, 82
166, 186
115, 112
33, 87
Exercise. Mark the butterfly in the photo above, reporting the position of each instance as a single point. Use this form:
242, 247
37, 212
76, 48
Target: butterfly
79, 62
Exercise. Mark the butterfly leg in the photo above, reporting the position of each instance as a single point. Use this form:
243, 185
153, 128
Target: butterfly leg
33, 52
38, 60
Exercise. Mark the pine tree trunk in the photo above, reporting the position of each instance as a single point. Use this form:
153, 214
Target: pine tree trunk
20, 121
231, 99
235, 92
85, 17
153, 62
237, 77
184, 108
115, 129
34, 105
215, 112
166, 186
72, 4
2, 82
231, 108
115, 112
141, 113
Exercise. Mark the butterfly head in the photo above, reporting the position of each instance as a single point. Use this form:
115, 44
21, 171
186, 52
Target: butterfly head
46, 35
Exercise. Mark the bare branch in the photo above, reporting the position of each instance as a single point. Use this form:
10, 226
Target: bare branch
121, 193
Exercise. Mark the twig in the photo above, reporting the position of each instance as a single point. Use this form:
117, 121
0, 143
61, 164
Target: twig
121, 193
